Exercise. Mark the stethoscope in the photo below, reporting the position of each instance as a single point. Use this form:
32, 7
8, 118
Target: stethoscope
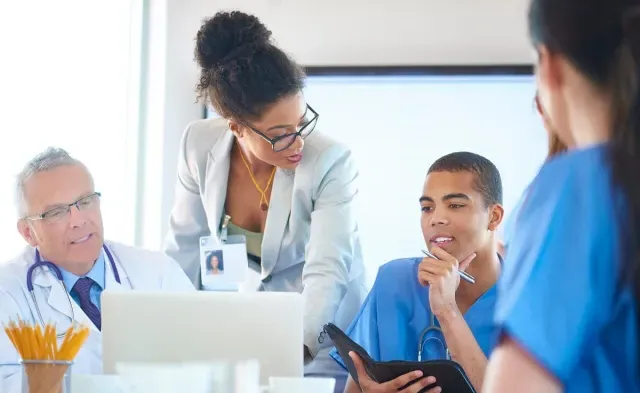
432, 328
56, 271
435, 328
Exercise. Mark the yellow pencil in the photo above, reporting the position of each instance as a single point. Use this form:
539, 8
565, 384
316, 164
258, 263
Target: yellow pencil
40, 343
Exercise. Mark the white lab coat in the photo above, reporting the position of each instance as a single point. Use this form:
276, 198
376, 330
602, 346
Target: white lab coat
139, 269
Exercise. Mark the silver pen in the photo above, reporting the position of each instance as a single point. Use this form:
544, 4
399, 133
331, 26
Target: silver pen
465, 276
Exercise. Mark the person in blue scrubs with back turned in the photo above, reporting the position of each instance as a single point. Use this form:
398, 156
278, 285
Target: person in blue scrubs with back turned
461, 210
556, 147
567, 307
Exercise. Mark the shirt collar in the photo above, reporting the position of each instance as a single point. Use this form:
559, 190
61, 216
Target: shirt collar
97, 274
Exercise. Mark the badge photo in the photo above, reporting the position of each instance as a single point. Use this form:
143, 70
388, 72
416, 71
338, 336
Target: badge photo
223, 265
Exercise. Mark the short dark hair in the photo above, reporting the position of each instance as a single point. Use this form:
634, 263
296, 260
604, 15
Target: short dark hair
242, 72
487, 177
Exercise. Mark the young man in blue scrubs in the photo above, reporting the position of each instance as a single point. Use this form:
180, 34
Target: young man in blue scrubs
461, 210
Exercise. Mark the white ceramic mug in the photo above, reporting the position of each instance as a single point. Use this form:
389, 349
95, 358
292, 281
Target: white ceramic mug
173, 377
301, 385
95, 383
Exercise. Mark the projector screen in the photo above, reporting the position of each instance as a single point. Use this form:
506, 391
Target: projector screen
397, 126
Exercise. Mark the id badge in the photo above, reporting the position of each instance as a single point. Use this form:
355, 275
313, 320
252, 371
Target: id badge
223, 265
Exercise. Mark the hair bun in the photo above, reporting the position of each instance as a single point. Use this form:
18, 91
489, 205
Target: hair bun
227, 35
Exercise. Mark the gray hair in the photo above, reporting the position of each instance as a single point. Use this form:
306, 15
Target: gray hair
47, 160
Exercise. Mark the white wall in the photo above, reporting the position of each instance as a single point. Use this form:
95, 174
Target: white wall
327, 32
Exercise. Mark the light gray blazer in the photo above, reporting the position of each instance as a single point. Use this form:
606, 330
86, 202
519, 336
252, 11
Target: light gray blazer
311, 242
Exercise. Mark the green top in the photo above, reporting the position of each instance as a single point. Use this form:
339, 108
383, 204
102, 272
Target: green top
254, 239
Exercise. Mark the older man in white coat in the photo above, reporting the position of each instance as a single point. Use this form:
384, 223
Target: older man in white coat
60, 219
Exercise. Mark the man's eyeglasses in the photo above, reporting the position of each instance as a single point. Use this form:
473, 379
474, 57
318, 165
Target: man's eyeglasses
305, 127
60, 212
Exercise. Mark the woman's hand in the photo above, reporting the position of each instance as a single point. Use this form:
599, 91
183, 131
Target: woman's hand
414, 380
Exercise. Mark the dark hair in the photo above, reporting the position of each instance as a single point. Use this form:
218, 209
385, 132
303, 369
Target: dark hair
601, 39
487, 177
556, 146
242, 72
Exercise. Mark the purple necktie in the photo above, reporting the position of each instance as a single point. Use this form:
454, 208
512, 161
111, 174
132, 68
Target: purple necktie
82, 289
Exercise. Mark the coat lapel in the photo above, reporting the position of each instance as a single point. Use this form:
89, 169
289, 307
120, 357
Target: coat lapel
60, 300
68, 311
57, 298
277, 219
217, 178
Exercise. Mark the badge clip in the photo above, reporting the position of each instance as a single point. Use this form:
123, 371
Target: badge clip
224, 228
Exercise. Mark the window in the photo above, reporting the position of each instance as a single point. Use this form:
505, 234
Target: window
397, 126
73, 85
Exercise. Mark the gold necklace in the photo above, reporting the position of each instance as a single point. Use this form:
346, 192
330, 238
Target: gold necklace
264, 201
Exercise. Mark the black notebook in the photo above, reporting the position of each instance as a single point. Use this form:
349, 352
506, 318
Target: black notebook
449, 375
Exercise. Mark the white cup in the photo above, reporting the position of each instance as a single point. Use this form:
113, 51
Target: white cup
173, 377
247, 376
301, 385
95, 383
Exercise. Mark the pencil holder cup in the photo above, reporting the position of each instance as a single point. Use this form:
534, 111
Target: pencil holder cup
46, 376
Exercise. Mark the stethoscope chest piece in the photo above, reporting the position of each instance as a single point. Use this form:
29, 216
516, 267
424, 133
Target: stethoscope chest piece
436, 335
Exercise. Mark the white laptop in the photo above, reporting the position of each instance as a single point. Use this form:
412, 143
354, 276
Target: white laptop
204, 326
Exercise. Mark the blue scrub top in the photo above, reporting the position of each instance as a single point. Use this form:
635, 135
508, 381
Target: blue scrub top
559, 296
396, 312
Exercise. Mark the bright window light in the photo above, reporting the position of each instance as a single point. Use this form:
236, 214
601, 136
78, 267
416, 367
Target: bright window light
69, 75
397, 126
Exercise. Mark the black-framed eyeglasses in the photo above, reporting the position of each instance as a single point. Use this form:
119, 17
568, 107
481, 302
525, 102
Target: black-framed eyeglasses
305, 127
60, 212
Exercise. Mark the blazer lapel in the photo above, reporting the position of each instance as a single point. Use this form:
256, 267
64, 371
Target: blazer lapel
277, 219
216, 179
